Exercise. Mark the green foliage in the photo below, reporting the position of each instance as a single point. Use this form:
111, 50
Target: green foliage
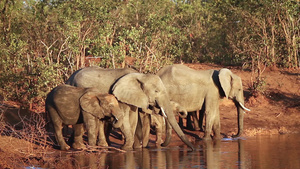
258, 86
43, 42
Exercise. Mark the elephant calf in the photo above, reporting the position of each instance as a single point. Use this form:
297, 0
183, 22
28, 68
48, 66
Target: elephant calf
153, 118
69, 105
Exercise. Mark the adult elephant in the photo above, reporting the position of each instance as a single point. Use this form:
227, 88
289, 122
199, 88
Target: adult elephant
202, 89
133, 90
69, 105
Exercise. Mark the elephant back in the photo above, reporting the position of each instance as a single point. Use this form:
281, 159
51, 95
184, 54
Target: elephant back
96, 77
65, 100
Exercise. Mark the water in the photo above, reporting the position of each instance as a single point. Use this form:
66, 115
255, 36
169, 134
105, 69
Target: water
279, 151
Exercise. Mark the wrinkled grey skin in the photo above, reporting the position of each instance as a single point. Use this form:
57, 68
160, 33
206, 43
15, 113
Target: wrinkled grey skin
69, 105
153, 118
197, 89
133, 90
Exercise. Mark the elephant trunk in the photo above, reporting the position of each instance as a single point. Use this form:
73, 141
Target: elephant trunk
183, 114
240, 119
118, 118
169, 115
168, 134
241, 111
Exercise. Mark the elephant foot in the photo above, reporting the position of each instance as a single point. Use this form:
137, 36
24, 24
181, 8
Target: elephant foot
65, 147
218, 137
145, 145
78, 146
159, 142
137, 146
126, 147
207, 138
103, 144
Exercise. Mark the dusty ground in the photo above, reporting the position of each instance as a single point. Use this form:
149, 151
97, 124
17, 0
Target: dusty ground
275, 112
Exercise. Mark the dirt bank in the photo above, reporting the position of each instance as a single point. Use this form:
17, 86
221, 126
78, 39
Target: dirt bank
275, 112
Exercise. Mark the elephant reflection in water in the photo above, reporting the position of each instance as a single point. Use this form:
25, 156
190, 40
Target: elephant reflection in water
209, 154
92, 160
144, 159
216, 158
157, 159
213, 153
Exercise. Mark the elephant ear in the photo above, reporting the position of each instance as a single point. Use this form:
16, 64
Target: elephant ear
225, 77
90, 103
129, 89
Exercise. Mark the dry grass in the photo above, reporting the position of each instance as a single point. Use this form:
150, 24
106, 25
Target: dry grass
25, 141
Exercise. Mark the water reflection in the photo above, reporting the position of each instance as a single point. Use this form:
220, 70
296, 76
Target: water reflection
259, 152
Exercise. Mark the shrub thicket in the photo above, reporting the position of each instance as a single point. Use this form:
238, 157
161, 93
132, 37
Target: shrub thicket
43, 42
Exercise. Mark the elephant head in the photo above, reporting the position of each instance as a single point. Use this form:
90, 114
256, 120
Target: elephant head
144, 90
102, 105
233, 89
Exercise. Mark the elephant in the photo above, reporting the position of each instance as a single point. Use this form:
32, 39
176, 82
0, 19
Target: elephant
153, 118
69, 105
202, 90
133, 90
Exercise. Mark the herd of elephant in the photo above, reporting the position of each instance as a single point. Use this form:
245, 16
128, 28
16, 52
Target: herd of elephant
94, 98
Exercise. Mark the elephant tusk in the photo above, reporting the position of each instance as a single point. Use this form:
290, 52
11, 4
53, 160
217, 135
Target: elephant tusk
163, 112
243, 107
115, 120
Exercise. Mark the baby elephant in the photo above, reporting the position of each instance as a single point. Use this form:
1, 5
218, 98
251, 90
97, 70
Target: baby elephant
155, 119
69, 105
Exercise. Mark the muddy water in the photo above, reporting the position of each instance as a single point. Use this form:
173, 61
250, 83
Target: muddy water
280, 151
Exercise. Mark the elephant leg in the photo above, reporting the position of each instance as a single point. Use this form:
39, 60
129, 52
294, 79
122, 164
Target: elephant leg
58, 126
201, 117
208, 126
91, 124
146, 128
211, 114
92, 131
102, 134
217, 126
138, 137
59, 137
133, 117
126, 128
157, 122
195, 120
78, 133
189, 125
